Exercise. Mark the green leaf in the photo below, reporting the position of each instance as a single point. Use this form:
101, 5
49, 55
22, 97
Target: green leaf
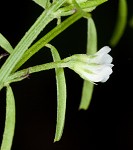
26, 41
43, 3
5, 44
120, 23
91, 49
10, 120
61, 95
48, 37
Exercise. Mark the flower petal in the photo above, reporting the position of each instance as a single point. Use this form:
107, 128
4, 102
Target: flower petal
94, 68
104, 50
102, 56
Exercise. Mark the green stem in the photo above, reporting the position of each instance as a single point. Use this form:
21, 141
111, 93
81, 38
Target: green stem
58, 29
17, 76
120, 23
48, 37
47, 16
29, 37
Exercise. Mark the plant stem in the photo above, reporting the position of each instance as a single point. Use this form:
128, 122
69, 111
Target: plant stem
29, 37
48, 37
120, 23
17, 76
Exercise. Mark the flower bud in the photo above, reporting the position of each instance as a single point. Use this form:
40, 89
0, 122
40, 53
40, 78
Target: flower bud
94, 68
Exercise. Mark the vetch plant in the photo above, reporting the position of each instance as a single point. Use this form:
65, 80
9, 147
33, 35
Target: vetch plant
93, 66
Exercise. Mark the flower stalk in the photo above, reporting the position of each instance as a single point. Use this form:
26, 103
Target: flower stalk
94, 68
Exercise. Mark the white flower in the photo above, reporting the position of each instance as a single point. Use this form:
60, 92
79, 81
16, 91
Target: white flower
94, 68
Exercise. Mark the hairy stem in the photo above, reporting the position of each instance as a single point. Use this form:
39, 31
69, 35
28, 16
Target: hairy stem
29, 37
17, 76
48, 37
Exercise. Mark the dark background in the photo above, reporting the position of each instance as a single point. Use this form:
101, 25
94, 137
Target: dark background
108, 123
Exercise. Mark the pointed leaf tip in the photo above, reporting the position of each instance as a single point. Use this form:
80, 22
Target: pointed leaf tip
5, 44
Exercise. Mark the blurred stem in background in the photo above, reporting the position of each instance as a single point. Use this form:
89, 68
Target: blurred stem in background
121, 23
131, 22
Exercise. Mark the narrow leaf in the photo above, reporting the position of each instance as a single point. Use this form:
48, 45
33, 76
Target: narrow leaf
61, 95
48, 37
91, 49
5, 44
43, 3
27, 40
120, 23
10, 120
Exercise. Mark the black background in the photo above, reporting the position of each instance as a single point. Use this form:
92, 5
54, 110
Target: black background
108, 123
